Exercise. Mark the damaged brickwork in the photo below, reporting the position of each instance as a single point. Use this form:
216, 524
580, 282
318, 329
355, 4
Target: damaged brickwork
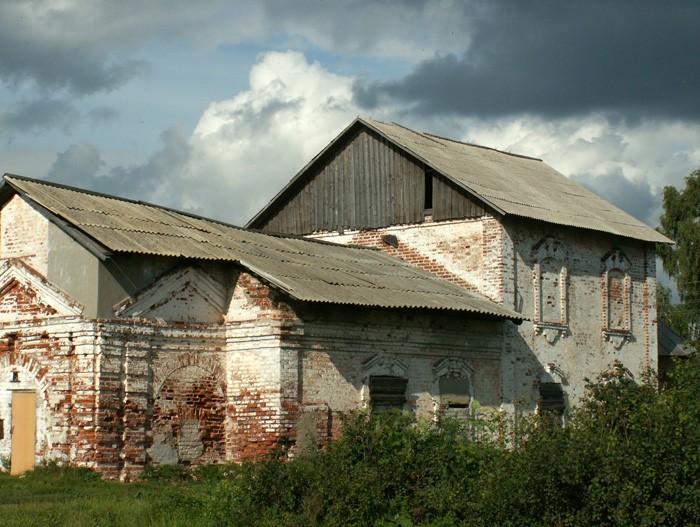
608, 303
115, 395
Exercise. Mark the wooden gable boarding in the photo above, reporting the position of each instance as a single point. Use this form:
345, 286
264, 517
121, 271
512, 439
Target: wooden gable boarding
362, 181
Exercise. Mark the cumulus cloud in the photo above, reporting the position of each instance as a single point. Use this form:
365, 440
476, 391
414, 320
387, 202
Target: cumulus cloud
558, 60
626, 163
245, 149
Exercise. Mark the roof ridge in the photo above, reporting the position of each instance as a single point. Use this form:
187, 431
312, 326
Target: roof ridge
432, 137
523, 156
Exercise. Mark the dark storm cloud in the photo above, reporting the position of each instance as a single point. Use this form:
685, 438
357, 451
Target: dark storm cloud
634, 197
51, 66
37, 116
81, 163
562, 58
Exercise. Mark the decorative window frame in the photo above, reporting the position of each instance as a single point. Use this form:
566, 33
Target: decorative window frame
552, 330
377, 365
616, 260
455, 368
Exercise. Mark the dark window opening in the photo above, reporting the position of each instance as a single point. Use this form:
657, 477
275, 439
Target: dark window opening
11, 341
387, 392
2, 429
552, 400
454, 392
428, 191
15, 376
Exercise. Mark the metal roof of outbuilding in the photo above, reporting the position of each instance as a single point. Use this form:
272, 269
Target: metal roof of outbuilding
670, 343
306, 270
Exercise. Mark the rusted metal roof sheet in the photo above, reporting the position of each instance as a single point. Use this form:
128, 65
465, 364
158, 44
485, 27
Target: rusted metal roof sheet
306, 270
517, 185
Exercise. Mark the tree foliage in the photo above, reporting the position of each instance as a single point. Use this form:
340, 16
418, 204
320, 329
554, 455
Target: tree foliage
680, 221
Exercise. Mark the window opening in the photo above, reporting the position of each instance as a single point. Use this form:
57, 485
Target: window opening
550, 284
617, 286
428, 190
454, 392
550, 291
387, 393
552, 403
616, 300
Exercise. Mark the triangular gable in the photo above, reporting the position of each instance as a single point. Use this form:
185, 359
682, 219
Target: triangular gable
188, 294
26, 294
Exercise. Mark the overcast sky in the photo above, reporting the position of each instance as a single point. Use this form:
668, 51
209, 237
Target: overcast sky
212, 106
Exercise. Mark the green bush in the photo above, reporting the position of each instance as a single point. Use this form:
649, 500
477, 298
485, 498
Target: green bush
630, 455
385, 470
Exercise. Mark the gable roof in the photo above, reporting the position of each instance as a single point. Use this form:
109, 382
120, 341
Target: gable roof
508, 183
306, 270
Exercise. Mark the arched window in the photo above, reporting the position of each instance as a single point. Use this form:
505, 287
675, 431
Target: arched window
617, 286
385, 383
550, 289
550, 297
454, 387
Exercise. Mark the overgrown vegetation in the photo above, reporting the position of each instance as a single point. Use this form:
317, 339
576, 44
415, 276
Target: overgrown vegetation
629, 456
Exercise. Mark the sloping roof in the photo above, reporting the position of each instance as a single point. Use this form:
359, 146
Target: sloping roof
510, 184
304, 269
670, 343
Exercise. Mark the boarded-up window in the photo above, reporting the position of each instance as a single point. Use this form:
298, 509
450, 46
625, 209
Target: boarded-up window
617, 306
454, 392
387, 392
550, 292
616, 297
550, 275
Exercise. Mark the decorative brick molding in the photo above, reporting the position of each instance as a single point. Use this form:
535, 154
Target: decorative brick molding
617, 289
550, 283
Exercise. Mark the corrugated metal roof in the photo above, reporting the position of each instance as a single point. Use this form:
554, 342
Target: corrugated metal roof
305, 269
670, 343
517, 185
